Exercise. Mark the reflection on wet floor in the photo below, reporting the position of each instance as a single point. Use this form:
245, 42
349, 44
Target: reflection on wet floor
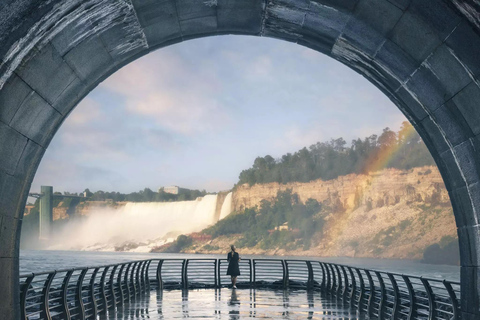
235, 304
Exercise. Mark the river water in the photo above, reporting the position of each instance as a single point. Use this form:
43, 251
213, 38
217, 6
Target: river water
47, 260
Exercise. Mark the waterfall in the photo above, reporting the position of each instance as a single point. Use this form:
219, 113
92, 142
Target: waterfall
136, 226
226, 206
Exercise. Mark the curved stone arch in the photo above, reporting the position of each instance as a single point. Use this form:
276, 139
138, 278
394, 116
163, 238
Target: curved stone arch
424, 55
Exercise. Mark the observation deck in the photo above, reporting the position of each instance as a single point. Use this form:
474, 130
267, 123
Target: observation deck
267, 288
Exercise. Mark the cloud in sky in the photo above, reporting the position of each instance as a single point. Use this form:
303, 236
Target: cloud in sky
197, 113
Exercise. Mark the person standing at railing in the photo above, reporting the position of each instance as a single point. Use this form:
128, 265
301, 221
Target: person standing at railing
233, 269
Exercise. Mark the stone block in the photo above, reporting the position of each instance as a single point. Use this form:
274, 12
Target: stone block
449, 118
464, 42
462, 207
35, 119
244, 16
448, 70
397, 61
468, 161
194, 9
281, 28
10, 293
402, 4
414, 108
10, 229
415, 36
12, 143
159, 21
428, 88
29, 161
343, 5
434, 135
438, 14
89, 59
467, 101
12, 96
70, 97
11, 194
372, 20
321, 30
122, 43
199, 26
470, 286
453, 174
47, 73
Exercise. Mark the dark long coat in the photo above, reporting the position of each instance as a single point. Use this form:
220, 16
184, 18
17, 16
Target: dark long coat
233, 268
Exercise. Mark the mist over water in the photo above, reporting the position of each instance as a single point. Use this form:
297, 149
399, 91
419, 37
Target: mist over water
139, 226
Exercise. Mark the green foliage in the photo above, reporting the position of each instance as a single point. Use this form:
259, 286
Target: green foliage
257, 225
178, 245
145, 195
329, 160
209, 247
445, 252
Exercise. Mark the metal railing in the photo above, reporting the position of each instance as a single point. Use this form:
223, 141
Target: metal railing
85, 293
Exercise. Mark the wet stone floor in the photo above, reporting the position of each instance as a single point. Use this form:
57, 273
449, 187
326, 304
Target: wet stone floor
234, 304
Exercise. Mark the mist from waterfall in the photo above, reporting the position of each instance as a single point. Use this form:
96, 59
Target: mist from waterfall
137, 226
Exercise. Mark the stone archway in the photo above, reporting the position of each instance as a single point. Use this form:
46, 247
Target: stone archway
424, 55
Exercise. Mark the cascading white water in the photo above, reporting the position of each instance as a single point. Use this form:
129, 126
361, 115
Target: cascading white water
226, 206
144, 223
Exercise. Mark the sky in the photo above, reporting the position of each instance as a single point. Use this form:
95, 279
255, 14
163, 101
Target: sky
196, 114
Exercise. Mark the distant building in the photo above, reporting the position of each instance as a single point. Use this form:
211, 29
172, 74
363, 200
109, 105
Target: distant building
173, 190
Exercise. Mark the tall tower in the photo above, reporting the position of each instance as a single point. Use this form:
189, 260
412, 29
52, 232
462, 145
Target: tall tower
46, 212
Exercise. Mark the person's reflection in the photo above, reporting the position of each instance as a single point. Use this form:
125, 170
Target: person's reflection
234, 304
311, 305
185, 303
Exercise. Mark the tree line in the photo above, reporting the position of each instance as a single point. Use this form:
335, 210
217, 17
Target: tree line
331, 159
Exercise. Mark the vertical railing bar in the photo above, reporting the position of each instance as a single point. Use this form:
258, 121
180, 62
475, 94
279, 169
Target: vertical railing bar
338, 280
453, 298
381, 305
372, 293
411, 294
103, 294
345, 283
126, 282
120, 284
254, 273
112, 288
133, 283
79, 293
184, 273
92, 293
354, 287
147, 277
64, 302
23, 296
431, 299
216, 273
396, 292
361, 292
138, 285
159, 274
329, 278
311, 280
45, 295
285, 273
323, 286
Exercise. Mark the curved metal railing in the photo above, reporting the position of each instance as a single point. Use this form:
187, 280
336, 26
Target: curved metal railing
85, 293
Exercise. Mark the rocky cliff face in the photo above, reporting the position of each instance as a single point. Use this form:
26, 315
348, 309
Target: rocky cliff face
377, 189
386, 214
